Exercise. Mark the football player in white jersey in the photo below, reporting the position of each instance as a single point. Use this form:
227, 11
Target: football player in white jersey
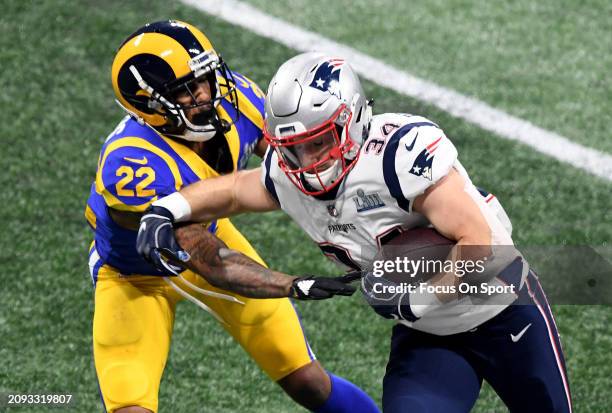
352, 181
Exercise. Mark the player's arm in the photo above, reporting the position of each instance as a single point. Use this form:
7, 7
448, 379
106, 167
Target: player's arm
439, 190
220, 197
230, 270
424, 163
196, 248
454, 214
203, 201
191, 245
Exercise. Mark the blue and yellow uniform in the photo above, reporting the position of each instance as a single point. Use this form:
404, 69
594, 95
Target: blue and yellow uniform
134, 311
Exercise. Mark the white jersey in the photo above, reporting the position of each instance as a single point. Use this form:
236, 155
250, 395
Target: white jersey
402, 156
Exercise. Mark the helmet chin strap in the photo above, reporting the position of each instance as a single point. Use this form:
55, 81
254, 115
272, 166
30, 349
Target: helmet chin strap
201, 136
197, 133
326, 177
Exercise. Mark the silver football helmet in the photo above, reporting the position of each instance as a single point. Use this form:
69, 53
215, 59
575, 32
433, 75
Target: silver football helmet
317, 117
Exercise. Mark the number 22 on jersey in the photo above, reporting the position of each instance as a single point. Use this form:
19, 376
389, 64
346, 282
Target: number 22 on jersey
128, 174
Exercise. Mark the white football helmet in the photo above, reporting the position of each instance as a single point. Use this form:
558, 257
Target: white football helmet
317, 117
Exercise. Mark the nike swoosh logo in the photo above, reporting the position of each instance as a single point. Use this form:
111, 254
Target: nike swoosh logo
517, 337
142, 161
412, 144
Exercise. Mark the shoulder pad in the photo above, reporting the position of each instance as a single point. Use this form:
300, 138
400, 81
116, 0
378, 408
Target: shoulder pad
417, 156
250, 99
386, 124
131, 177
246, 85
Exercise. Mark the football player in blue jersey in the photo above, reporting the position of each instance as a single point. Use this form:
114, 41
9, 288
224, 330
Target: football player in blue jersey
189, 118
352, 181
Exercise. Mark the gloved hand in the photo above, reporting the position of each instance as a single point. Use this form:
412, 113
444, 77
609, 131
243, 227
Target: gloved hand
384, 299
312, 287
156, 242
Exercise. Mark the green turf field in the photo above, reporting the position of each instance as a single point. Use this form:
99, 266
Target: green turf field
542, 61
548, 66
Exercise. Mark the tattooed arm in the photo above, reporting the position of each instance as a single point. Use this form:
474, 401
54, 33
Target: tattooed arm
172, 249
220, 266
229, 269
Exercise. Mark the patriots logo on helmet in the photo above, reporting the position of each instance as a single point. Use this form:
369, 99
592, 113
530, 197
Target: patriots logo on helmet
422, 163
327, 77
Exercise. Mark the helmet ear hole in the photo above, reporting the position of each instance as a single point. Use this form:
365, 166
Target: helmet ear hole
142, 102
143, 98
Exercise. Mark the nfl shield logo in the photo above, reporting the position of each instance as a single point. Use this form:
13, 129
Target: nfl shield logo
331, 209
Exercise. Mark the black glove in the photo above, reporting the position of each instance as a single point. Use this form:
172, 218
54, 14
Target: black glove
156, 242
395, 306
311, 287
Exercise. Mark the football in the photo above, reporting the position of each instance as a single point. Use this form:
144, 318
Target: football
416, 254
419, 238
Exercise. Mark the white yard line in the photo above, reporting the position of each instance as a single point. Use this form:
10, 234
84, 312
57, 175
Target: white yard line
458, 105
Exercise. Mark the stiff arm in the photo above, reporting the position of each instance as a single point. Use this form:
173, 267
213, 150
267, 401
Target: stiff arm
220, 197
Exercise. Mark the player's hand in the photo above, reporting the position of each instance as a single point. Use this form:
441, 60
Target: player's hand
386, 300
156, 242
311, 287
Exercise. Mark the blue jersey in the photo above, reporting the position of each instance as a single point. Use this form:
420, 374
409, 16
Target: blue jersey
138, 165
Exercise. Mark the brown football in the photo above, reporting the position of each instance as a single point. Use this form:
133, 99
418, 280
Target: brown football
425, 245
